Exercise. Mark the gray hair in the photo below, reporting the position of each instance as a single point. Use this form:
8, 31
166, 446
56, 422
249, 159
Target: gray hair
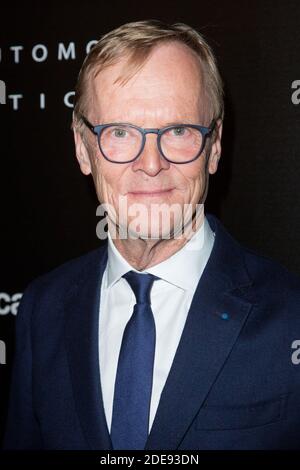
136, 40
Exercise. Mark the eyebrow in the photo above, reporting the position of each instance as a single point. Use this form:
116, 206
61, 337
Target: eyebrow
170, 123
185, 121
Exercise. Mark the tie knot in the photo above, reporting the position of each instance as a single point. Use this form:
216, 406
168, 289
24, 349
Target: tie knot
141, 284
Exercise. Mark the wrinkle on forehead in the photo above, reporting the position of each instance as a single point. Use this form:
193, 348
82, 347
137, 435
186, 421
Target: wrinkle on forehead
146, 114
167, 88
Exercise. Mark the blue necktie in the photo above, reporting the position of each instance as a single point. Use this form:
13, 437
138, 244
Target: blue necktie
133, 384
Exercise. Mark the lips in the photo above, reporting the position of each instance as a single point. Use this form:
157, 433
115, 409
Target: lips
151, 193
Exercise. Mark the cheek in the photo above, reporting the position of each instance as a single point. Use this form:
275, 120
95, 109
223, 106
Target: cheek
195, 179
107, 178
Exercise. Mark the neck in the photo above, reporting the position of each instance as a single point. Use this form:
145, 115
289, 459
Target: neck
142, 253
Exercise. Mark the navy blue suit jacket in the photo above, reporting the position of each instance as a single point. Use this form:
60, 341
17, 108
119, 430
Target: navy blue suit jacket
232, 384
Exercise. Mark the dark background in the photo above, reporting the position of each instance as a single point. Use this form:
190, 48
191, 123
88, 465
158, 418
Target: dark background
48, 207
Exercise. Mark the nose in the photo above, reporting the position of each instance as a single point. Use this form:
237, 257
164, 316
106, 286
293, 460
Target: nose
150, 160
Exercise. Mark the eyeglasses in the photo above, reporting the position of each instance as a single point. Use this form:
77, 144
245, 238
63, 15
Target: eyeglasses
124, 142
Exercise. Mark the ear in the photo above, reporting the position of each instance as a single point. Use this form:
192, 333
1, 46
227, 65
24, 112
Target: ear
215, 153
82, 154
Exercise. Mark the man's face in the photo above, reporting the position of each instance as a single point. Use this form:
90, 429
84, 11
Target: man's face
166, 90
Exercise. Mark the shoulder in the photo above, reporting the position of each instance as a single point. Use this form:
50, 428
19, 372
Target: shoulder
267, 270
276, 288
268, 276
60, 280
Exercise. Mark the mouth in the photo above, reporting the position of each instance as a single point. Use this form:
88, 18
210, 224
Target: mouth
154, 192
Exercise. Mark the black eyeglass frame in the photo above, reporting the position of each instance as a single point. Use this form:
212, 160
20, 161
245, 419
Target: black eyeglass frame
98, 129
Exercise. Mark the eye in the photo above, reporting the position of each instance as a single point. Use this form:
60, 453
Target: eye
119, 132
179, 131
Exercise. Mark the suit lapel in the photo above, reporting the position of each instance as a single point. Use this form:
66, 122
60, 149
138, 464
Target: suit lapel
205, 344
217, 314
81, 331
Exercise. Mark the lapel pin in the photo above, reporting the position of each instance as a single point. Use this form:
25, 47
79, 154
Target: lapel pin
224, 316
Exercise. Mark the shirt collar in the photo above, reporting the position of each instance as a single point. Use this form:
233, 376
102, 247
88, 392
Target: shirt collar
183, 269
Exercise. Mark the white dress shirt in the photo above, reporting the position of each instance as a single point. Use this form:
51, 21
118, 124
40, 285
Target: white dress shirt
171, 297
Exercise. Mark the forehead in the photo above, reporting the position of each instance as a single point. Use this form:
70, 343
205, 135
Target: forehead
168, 83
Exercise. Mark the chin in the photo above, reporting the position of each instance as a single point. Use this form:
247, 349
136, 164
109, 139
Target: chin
154, 228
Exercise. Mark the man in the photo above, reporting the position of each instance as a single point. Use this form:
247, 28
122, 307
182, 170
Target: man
170, 335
